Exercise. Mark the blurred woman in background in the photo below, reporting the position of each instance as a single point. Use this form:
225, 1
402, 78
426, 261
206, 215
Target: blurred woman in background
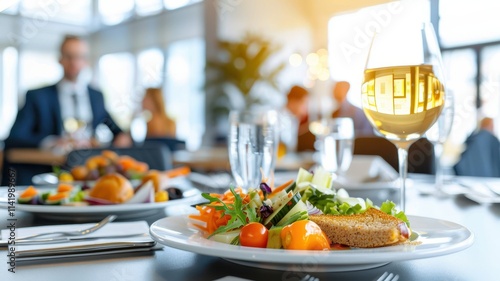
159, 124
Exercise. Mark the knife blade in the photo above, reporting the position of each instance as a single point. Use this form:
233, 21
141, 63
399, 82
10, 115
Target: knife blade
7, 243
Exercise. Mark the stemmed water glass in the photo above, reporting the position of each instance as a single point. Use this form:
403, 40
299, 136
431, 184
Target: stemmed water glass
437, 135
403, 87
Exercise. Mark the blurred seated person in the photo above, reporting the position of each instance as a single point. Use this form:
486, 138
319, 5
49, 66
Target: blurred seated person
159, 125
481, 157
41, 122
298, 105
362, 127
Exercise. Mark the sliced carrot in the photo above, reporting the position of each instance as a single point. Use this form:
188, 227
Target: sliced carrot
58, 196
180, 171
29, 192
213, 218
64, 187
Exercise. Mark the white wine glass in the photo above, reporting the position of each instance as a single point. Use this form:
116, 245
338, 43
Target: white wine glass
437, 135
403, 87
253, 143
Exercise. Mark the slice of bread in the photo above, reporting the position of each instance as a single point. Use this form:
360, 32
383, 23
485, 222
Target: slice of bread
372, 228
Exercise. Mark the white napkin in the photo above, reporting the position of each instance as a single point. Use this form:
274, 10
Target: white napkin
85, 247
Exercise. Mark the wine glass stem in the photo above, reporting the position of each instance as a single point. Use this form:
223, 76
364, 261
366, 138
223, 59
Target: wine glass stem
403, 170
438, 152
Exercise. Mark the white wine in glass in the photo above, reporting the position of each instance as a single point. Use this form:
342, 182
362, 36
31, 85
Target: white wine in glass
403, 87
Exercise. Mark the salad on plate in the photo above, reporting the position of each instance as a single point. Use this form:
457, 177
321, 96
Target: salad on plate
302, 214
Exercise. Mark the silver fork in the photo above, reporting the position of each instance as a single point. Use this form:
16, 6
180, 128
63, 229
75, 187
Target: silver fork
387, 276
309, 278
80, 232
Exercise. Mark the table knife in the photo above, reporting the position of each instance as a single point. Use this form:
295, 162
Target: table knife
9, 243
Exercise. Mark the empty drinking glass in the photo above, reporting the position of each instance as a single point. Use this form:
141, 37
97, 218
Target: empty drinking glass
334, 143
253, 143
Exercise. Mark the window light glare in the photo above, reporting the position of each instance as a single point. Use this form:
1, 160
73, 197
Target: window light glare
312, 59
175, 4
295, 59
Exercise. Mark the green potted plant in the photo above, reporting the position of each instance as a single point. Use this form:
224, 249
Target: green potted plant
239, 67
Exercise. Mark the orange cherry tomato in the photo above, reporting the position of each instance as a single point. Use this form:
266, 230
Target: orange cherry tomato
304, 235
254, 234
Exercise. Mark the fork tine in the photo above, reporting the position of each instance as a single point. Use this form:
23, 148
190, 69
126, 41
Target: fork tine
389, 277
382, 278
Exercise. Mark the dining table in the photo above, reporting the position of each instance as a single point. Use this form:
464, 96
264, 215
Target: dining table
206, 159
479, 261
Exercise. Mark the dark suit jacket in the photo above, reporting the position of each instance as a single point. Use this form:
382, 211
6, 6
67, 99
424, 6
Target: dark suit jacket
481, 158
41, 117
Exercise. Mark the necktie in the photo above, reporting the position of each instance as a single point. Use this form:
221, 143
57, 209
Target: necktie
76, 109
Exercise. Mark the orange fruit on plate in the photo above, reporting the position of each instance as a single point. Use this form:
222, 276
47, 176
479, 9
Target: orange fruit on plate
80, 173
112, 187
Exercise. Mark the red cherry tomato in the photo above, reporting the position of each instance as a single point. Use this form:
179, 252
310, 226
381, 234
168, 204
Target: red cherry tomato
254, 234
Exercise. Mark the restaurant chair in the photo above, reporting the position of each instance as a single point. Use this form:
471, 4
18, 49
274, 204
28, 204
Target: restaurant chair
420, 154
481, 158
157, 156
172, 143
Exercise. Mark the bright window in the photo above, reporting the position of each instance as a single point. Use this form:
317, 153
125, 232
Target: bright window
460, 69
113, 11
116, 76
38, 69
9, 6
74, 12
468, 21
490, 83
148, 7
150, 63
185, 99
175, 4
8, 94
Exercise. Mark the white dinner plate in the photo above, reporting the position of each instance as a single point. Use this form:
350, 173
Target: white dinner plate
437, 238
96, 212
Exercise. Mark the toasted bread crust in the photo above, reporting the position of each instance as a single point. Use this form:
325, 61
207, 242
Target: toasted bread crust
372, 228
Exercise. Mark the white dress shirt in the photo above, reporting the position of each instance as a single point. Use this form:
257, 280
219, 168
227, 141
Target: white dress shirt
66, 91
81, 110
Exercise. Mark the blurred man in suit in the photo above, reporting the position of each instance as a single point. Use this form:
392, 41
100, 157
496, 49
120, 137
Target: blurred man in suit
40, 123
362, 126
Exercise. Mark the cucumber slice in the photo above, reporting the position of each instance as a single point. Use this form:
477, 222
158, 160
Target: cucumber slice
299, 207
291, 187
226, 237
26, 200
281, 199
322, 178
278, 214
274, 238
303, 176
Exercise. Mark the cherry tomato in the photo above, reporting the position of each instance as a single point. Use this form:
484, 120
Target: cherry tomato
304, 235
254, 234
